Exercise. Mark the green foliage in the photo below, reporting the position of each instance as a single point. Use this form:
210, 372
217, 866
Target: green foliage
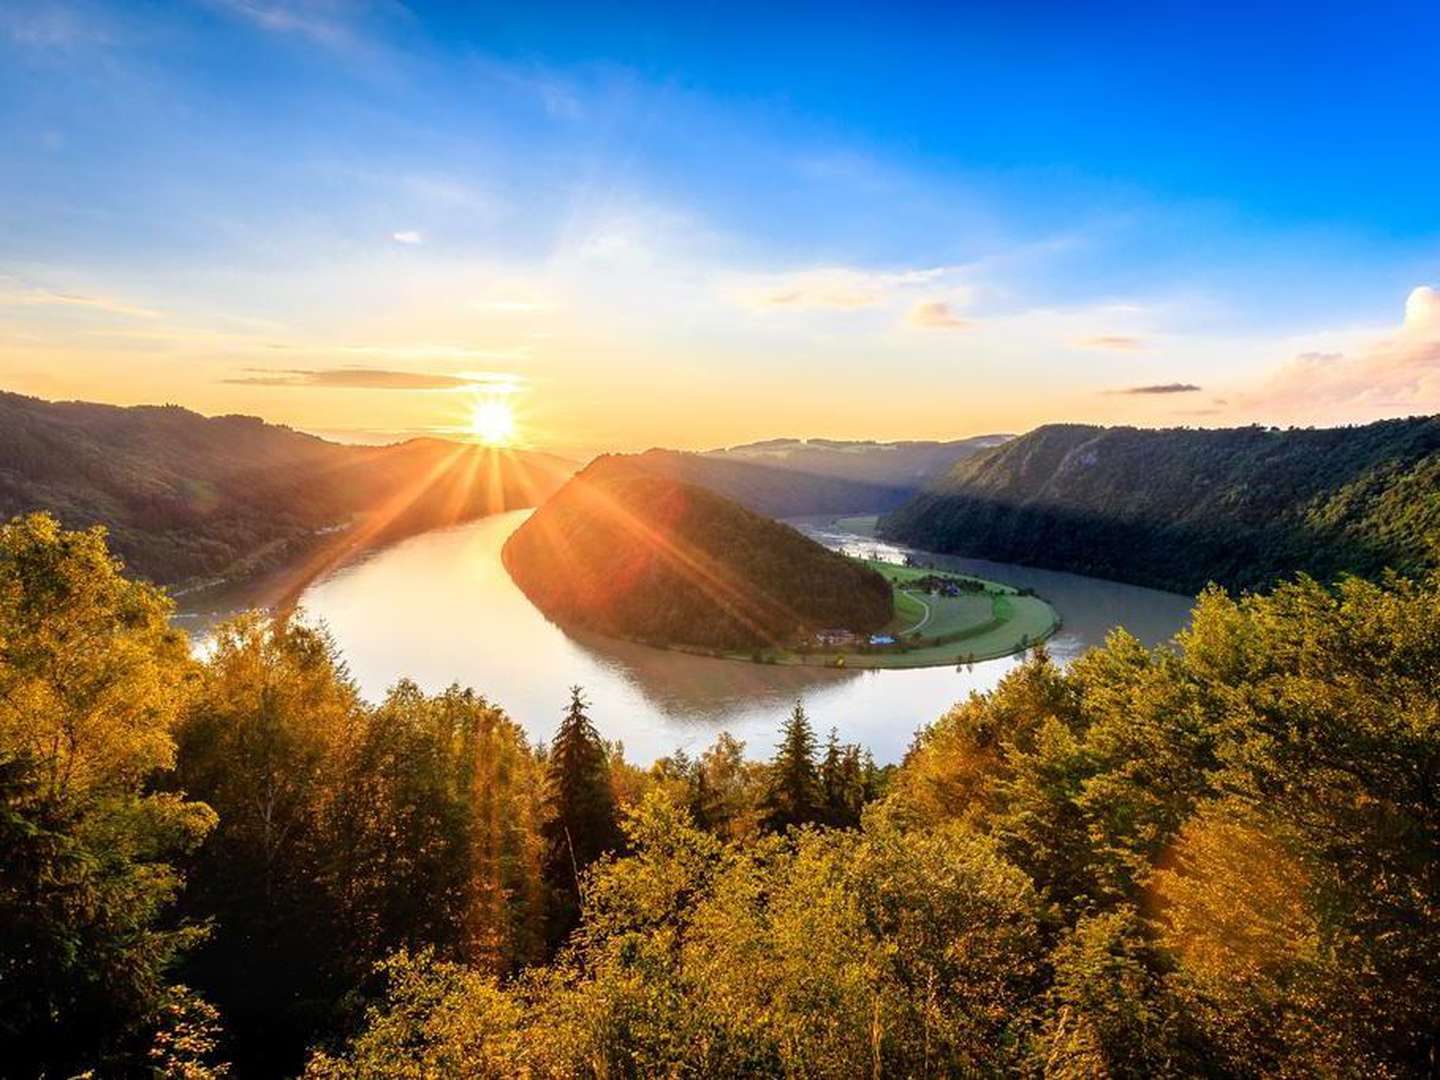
825, 954
1180, 508
348, 832
1216, 859
1264, 796
793, 795
436, 1019
91, 678
580, 819
622, 551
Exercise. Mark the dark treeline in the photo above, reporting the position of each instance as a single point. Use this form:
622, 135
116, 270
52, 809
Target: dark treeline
1214, 860
1177, 509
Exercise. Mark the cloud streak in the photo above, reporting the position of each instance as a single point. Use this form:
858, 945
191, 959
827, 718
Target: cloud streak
33, 297
1159, 388
833, 287
305, 18
352, 378
1119, 342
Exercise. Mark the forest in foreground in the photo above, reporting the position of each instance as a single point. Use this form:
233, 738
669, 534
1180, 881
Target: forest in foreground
1214, 859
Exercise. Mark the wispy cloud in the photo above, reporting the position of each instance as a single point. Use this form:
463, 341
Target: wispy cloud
834, 287
1121, 342
407, 236
37, 297
321, 22
937, 315
1160, 388
354, 378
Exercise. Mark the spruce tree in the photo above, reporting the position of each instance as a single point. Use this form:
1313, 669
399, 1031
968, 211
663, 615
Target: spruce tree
793, 796
581, 822
842, 783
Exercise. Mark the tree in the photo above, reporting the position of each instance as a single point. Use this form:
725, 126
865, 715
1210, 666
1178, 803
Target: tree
728, 790
432, 841
265, 741
91, 678
842, 783
793, 796
581, 822
436, 1019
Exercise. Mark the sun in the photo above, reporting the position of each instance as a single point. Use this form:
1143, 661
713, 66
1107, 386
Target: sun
493, 423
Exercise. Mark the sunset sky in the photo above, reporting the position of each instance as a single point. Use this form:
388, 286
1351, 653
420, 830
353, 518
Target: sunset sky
695, 225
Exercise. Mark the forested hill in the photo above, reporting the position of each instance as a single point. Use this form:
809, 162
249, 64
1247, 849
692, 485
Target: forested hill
187, 496
1179, 508
624, 551
792, 477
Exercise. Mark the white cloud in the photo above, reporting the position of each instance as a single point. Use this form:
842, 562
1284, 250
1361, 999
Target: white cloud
407, 236
1391, 373
1422, 312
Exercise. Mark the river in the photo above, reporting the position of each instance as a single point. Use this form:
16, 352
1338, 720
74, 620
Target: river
440, 608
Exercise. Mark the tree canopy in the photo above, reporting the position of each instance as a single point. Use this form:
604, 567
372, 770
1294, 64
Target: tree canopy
1217, 858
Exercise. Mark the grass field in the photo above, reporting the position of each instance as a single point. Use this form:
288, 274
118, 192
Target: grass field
936, 630
933, 630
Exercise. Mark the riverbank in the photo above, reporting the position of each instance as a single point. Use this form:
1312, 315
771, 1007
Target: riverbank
942, 619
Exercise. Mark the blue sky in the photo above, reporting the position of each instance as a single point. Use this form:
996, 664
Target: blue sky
1026, 209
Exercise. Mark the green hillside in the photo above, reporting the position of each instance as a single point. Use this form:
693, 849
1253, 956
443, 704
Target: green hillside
1179, 508
187, 496
625, 552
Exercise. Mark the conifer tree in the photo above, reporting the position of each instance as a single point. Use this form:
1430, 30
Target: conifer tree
842, 783
581, 822
794, 796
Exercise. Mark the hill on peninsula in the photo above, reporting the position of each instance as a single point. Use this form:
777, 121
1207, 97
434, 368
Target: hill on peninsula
1179, 508
623, 551
187, 496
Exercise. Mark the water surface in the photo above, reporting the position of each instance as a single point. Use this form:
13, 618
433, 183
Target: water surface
440, 608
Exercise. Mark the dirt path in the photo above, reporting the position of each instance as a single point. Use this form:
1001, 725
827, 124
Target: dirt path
923, 604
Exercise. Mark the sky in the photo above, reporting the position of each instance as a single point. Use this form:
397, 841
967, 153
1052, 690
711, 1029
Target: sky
694, 225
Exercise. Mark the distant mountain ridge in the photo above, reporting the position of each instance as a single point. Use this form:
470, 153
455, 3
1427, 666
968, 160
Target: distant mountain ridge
187, 496
797, 477
623, 551
1179, 508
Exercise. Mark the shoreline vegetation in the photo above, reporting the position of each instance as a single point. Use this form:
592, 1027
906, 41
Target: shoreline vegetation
982, 619
979, 620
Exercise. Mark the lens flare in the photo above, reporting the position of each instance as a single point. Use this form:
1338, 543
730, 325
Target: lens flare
493, 423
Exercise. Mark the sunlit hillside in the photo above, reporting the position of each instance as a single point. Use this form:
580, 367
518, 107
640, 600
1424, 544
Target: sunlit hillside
627, 552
